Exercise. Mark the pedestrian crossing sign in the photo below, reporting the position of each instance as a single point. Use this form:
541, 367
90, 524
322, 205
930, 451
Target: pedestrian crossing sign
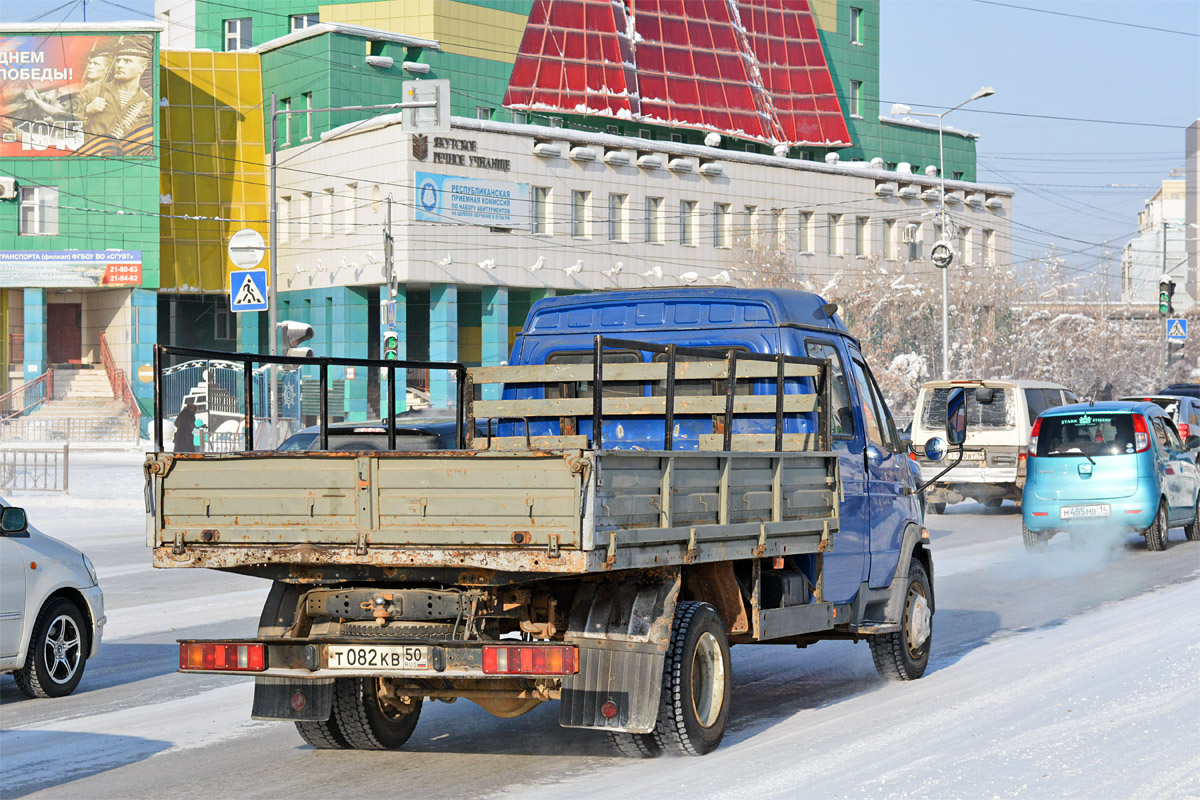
1177, 329
248, 290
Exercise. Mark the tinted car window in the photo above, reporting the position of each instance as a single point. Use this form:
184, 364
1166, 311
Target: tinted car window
1053, 398
843, 417
878, 419
1086, 433
997, 414
1036, 400
298, 441
1172, 435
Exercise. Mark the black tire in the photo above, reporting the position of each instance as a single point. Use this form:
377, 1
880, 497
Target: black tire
937, 508
898, 656
1034, 542
365, 721
697, 683
1156, 534
1192, 529
635, 745
994, 502
57, 651
323, 734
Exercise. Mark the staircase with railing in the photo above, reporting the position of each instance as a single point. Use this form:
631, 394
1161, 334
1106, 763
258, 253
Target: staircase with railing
121, 388
28, 396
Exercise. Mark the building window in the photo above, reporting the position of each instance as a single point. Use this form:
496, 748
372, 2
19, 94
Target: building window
520, 117
541, 210
654, 220
580, 224
284, 120
302, 21
749, 226
856, 99
834, 247
618, 219
966, 242
862, 236
615, 130
645, 133
778, 229
308, 117
805, 238
889, 239
350, 207
483, 112
749, 147
958, 174
856, 16
306, 210
989, 248
687, 222
330, 212
39, 211
721, 218
319, 212
677, 138
238, 34
283, 218
224, 325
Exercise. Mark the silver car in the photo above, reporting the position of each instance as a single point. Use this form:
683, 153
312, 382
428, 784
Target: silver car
51, 608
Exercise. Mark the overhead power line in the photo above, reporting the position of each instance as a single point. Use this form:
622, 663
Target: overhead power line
1090, 19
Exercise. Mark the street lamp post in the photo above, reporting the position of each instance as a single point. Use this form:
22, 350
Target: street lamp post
900, 108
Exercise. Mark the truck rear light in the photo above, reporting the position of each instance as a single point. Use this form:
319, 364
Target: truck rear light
530, 660
1033, 437
1141, 434
220, 656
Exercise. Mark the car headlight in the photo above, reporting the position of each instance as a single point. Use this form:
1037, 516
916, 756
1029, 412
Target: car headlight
91, 570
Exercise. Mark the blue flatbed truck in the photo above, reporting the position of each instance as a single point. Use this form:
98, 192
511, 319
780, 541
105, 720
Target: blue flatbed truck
654, 477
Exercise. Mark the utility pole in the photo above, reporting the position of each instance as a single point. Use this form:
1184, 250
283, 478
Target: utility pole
1166, 347
272, 283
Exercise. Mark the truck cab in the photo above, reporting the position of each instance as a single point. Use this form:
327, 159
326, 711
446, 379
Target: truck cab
879, 499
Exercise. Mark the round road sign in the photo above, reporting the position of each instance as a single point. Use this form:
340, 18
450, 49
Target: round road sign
941, 254
145, 373
246, 248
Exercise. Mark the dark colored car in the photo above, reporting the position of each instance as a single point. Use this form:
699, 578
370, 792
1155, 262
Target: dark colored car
1182, 390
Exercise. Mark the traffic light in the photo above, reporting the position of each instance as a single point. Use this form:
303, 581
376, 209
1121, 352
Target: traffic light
293, 333
1166, 290
1174, 351
391, 346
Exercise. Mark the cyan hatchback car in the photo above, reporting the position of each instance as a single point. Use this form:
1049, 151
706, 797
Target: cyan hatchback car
1115, 465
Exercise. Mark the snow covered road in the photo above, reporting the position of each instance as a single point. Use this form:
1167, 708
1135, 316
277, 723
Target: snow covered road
1071, 675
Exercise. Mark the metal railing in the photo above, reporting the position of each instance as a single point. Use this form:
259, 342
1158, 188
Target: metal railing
26, 470
254, 388
66, 429
25, 398
120, 382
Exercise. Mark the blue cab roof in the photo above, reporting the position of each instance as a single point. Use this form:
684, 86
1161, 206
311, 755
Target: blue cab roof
678, 308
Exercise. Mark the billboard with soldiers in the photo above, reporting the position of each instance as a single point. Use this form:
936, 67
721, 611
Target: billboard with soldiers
77, 95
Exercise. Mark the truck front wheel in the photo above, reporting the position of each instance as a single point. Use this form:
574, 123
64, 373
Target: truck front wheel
368, 720
697, 683
904, 654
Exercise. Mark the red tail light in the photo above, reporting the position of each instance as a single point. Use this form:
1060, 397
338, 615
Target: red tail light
220, 656
1033, 436
530, 660
1141, 433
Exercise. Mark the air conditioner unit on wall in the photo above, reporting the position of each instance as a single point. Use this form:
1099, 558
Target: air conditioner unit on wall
909, 234
8, 188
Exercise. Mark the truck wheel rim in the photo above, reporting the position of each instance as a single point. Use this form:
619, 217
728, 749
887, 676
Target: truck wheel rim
708, 680
61, 649
918, 620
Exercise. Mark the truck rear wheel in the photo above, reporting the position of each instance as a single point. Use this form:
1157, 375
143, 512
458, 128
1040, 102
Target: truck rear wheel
322, 734
635, 745
937, 508
366, 721
904, 654
697, 683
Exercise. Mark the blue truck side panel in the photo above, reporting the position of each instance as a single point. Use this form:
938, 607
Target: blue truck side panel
878, 503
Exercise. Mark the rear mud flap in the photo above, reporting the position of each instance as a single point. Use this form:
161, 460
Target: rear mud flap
622, 630
291, 699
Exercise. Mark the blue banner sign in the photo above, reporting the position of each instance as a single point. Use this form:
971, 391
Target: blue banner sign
448, 198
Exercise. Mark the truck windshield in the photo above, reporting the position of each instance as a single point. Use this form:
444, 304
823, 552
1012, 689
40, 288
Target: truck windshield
1085, 434
995, 415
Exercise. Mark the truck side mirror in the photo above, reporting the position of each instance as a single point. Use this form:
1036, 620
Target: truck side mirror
956, 416
985, 395
12, 520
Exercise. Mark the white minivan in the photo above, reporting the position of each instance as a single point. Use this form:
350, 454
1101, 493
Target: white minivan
1000, 414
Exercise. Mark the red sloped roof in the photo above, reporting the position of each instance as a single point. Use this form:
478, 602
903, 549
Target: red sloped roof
750, 68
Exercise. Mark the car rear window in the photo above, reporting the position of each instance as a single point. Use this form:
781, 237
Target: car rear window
1085, 434
995, 415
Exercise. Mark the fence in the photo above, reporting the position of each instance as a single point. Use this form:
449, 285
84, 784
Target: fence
68, 429
26, 470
